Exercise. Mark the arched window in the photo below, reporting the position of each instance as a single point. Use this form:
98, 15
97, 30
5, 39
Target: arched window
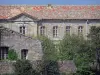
3, 53
80, 30
55, 31
42, 30
22, 29
24, 53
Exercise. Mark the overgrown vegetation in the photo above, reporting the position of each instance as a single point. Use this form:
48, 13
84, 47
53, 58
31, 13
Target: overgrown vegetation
24, 67
79, 50
50, 65
12, 55
49, 50
51, 68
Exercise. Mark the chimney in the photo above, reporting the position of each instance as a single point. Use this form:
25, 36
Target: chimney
50, 6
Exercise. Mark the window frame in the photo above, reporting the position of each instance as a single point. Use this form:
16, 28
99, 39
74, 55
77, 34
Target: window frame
42, 30
80, 30
22, 29
55, 31
4, 53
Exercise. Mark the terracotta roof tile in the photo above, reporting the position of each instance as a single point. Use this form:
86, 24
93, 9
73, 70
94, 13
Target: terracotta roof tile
53, 12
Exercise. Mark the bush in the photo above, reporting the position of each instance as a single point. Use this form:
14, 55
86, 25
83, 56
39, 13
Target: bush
24, 67
12, 55
51, 68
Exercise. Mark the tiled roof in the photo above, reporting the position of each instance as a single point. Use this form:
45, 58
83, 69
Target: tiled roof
52, 12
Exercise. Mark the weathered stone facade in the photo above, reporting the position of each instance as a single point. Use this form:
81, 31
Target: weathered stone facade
18, 42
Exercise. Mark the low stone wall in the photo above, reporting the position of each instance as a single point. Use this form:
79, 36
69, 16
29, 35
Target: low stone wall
6, 67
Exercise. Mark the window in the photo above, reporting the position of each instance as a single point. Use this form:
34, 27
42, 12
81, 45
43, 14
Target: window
68, 29
55, 30
80, 30
3, 53
22, 29
42, 30
24, 53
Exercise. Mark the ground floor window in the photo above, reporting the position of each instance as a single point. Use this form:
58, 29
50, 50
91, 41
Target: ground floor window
3, 53
24, 53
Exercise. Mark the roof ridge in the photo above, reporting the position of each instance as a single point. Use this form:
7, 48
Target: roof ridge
44, 5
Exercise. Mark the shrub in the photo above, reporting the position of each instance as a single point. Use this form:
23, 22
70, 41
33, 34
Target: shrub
24, 67
12, 55
51, 68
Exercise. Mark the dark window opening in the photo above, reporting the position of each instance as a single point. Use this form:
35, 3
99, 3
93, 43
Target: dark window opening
55, 30
22, 29
24, 53
68, 29
3, 53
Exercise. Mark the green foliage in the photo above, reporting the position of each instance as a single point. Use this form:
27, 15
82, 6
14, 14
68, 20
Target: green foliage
23, 67
51, 68
77, 49
49, 50
95, 39
95, 36
12, 55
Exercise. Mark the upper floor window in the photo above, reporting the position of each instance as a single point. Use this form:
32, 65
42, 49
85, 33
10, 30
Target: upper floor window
55, 30
80, 30
68, 29
24, 53
22, 29
42, 30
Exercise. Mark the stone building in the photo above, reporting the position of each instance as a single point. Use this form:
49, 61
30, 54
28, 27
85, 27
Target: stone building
25, 47
53, 21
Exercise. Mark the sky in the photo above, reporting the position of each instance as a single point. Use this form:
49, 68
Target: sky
53, 2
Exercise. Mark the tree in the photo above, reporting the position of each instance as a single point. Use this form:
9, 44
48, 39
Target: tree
79, 50
49, 50
50, 65
95, 36
95, 39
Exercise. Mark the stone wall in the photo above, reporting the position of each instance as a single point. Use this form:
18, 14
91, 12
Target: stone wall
6, 67
17, 41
